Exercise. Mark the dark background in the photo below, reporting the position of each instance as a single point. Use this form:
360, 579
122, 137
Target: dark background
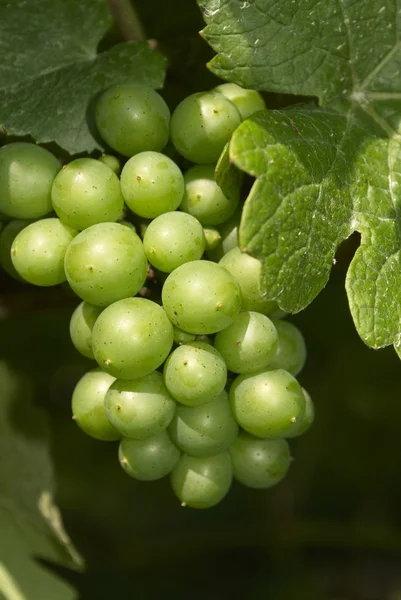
331, 530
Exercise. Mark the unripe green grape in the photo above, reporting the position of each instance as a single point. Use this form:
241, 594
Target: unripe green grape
86, 192
204, 430
139, 408
182, 337
202, 482
133, 118
27, 172
7, 237
81, 326
131, 338
247, 271
248, 344
148, 459
213, 238
195, 373
105, 263
173, 239
151, 184
201, 297
268, 404
88, 406
229, 236
247, 101
307, 420
204, 199
112, 162
291, 348
128, 224
202, 124
38, 251
259, 463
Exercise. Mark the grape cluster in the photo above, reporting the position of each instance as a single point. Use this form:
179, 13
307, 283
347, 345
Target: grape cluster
197, 379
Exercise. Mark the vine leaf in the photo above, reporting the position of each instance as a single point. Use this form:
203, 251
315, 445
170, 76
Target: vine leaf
51, 72
30, 523
324, 171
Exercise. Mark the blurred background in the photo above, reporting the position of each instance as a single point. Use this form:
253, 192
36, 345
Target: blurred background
330, 531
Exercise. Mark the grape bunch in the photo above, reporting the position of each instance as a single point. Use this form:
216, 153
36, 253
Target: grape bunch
196, 370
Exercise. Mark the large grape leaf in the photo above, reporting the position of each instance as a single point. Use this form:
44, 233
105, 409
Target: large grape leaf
30, 523
322, 171
51, 72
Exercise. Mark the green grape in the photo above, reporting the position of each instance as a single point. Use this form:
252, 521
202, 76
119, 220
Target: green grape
86, 192
27, 172
268, 404
182, 337
105, 263
173, 239
195, 373
7, 237
202, 124
128, 224
259, 463
247, 101
131, 338
152, 184
81, 326
201, 297
309, 416
88, 406
133, 118
139, 408
112, 162
38, 251
247, 271
148, 459
229, 236
204, 430
248, 344
213, 238
204, 199
291, 348
202, 482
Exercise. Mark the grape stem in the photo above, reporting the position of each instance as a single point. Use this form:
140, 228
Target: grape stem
128, 20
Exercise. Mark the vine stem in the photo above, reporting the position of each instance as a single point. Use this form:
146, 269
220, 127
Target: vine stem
128, 20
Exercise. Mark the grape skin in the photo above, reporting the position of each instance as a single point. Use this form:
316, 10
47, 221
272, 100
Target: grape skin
268, 404
202, 124
87, 192
249, 344
105, 263
88, 405
133, 118
259, 463
205, 430
202, 482
81, 325
148, 459
204, 199
139, 408
38, 251
184, 373
132, 338
173, 239
151, 184
201, 297
27, 172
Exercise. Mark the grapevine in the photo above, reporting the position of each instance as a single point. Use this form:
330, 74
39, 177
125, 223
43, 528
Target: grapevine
195, 380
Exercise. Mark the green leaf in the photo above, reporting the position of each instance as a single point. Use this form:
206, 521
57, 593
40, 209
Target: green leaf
227, 176
321, 173
51, 73
30, 523
325, 48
